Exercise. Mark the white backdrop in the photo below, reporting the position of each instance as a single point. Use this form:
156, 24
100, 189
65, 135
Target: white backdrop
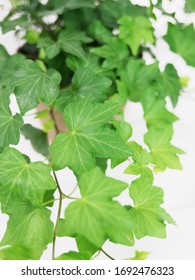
179, 186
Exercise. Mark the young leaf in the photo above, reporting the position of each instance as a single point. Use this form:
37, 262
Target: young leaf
163, 153
29, 227
169, 84
89, 137
31, 84
138, 77
96, 216
146, 215
9, 125
14, 253
182, 41
135, 31
20, 180
140, 255
115, 52
74, 256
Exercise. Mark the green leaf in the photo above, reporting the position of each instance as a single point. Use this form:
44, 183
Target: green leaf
9, 25
70, 41
138, 78
146, 215
85, 245
29, 227
156, 115
86, 83
190, 6
140, 255
50, 46
14, 253
115, 52
140, 165
9, 125
89, 137
96, 216
61, 6
182, 41
135, 31
99, 32
37, 137
20, 180
74, 256
31, 85
163, 153
169, 84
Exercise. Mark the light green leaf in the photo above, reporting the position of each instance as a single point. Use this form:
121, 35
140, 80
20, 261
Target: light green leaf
190, 6
182, 41
115, 52
96, 216
85, 245
138, 78
14, 253
135, 31
20, 180
31, 85
156, 115
37, 137
163, 153
169, 84
140, 165
146, 215
29, 227
74, 256
140, 255
9, 125
89, 137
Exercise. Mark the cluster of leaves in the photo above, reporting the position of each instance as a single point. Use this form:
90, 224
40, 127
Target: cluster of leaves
86, 63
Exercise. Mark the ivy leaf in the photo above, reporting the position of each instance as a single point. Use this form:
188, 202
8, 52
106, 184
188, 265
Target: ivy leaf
37, 137
9, 25
115, 52
98, 31
74, 256
140, 255
169, 84
29, 227
50, 46
10, 125
190, 6
96, 216
85, 245
31, 84
146, 215
163, 153
14, 253
86, 83
20, 180
89, 136
156, 115
135, 31
60, 6
138, 77
182, 41
71, 42
140, 165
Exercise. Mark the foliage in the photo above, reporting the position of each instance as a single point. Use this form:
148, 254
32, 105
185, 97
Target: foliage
85, 65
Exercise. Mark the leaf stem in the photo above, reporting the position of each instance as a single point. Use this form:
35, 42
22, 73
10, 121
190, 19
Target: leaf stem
58, 214
106, 254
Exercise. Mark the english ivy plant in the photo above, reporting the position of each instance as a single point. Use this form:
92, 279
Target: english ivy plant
85, 63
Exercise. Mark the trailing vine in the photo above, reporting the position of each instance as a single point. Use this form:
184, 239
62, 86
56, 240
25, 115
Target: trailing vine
84, 61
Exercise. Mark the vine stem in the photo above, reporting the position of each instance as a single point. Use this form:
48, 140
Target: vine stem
106, 254
58, 214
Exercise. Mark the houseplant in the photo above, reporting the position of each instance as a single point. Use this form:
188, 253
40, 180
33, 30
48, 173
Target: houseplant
86, 62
